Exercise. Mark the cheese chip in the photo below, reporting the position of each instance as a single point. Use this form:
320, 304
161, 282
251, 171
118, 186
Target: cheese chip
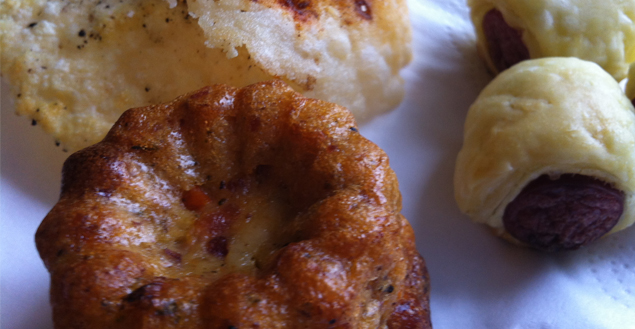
75, 66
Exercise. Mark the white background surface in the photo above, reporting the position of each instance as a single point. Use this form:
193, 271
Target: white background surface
478, 281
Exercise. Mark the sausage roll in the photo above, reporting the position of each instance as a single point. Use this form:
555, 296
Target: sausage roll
547, 158
509, 31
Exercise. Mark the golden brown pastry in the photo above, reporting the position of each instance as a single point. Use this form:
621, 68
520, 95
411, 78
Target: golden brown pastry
509, 31
75, 66
548, 155
233, 208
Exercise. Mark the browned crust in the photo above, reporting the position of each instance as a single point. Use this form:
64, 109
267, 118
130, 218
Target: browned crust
350, 251
352, 12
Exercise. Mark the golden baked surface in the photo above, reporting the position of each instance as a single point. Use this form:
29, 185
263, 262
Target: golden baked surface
233, 208
550, 116
75, 66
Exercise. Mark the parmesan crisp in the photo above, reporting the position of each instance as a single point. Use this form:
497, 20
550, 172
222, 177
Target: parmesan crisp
75, 66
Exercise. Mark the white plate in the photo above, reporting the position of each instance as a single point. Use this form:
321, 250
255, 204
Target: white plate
478, 281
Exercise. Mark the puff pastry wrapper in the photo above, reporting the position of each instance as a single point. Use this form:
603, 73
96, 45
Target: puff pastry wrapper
598, 31
545, 116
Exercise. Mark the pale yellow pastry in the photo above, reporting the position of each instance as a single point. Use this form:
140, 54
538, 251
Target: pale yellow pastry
75, 66
598, 31
555, 117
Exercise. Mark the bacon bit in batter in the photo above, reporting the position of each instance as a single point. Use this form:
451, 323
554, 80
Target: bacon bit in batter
195, 199
173, 254
218, 246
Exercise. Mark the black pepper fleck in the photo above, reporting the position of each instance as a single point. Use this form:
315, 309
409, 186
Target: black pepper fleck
144, 148
390, 289
33, 122
354, 129
222, 184
222, 202
82, 33
332, 321
147, 89
32, 25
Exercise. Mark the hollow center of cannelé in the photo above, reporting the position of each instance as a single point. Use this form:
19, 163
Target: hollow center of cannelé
504, 43
563, 213
238, 225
